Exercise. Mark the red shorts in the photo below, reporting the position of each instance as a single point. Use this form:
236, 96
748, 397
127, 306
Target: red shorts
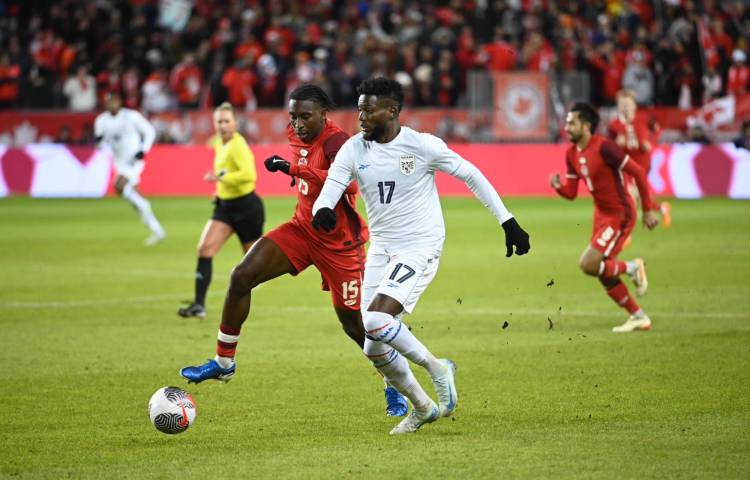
341, 271
610, 232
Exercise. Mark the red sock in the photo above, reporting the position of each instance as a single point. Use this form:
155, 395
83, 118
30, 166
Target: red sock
619, 293
612, 268
226, 344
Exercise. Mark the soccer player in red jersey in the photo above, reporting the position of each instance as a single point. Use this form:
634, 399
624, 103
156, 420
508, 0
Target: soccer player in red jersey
634, 137
295, 245
602, 165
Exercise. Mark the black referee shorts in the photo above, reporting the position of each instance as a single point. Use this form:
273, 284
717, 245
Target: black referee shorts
244, 214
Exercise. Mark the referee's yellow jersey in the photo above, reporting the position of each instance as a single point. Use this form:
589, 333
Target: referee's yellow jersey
234, 164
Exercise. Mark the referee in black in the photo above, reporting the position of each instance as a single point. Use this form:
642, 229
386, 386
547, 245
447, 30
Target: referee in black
237, 208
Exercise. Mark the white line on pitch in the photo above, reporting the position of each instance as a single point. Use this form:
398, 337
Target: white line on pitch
497, 312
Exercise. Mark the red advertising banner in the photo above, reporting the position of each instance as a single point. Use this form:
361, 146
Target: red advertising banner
521, 114
18, 128
521, 105
51, 170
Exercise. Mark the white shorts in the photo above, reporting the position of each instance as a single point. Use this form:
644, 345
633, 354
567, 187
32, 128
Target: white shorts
402, 275
130, 170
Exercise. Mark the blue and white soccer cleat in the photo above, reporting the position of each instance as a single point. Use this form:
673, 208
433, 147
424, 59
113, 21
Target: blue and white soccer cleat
445, 387
416, 419
210, 370
396, 405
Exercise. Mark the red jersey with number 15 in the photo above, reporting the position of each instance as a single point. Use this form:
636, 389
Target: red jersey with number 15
309, 164
601, 165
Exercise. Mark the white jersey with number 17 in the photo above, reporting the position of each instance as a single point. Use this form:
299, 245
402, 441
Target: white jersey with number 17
397, 182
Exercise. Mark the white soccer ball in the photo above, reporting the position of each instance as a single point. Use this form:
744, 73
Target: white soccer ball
172, 410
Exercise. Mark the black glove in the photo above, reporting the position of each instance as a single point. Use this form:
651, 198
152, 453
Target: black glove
275, 163
139, 155
325, 218
515, 235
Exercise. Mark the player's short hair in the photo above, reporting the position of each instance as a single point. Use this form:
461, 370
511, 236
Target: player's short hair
383, 87
226, 106
315, 94
587, 113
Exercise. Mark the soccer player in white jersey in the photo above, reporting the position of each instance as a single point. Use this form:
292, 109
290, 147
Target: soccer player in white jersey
395, 168
130, 137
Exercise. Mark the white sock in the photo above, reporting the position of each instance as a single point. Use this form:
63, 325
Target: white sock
144, 209
224, 362
384, 328
398, 374
639, 314
631, 267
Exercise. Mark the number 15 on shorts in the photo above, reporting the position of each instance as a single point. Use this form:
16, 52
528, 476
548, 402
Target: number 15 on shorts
350, 292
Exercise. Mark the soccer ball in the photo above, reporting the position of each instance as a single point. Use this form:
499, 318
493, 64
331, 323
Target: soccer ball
172, 410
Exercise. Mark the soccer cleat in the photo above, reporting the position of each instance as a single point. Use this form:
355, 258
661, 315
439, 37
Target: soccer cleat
445, 387
154, 238
634, 324
192, 310
415, 420
396, 405
639, 277
210, 370
666, 214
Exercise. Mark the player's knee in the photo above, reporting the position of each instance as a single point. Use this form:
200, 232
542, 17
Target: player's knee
242, 280
589, 267
380, 326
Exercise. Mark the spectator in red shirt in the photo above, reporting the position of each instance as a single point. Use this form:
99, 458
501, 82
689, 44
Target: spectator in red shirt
249, 45
739, 74
609, 70
537, 53
186, 81
239, 81
720, 38
270, 87
9, 75
279, 34
500, 54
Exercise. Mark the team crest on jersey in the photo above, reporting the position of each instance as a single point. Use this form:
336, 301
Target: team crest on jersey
408, 164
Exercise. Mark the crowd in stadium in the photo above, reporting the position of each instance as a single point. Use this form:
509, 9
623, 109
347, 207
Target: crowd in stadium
252, 53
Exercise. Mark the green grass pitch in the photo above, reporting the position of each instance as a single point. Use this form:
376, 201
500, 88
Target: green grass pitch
88, 332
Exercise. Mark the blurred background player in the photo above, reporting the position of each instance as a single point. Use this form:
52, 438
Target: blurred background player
601, 165
633, 135
293, 246
237, 208
130, 137
395, 168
